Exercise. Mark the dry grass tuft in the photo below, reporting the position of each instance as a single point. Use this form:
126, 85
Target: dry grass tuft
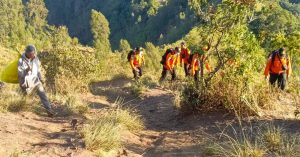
104, 134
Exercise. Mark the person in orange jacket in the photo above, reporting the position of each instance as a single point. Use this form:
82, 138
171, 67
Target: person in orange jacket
279, 68
171, 60
184, 57
197, 59
136, 62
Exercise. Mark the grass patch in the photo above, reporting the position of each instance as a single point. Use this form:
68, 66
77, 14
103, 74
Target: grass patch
104, 133
126, 118
67, 105
17, 153
255, 142
272, 137
137, 89
11, 100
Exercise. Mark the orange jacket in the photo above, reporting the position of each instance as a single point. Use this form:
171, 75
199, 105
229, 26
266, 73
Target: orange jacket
136, 60
195, 63
171, 61
177, 59
276, 66
185, 55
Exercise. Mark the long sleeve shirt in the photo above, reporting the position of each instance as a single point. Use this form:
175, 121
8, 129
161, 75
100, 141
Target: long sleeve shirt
28, 67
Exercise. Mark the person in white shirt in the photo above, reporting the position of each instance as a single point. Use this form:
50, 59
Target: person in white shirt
30, 79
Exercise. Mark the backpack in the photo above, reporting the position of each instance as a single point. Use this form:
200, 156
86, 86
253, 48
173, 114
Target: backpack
129, 55
273, 54
164, 57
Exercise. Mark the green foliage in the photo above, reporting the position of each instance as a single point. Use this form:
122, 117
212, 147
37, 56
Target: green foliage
152, 56
138, 21
124, 46
35, 14
237, 58
101, 32
12, 23
230, 40
75, 63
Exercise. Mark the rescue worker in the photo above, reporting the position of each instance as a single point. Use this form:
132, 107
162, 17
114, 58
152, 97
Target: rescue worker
169, 64
197, 59
185, 55
279, 68
136, 62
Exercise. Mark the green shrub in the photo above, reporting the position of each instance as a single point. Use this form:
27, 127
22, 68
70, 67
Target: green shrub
64, 65
238, 95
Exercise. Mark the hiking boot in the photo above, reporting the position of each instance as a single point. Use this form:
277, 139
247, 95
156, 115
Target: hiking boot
50, 113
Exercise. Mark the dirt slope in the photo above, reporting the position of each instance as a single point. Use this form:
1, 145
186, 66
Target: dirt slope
167, 134
38, 136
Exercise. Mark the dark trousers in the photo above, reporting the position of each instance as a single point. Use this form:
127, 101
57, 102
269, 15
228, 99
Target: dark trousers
280, 78
40, 91
164, 74
137, 73
186, 69
196, 76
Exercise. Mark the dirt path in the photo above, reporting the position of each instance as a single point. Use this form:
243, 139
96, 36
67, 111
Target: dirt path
167, 134
30, 134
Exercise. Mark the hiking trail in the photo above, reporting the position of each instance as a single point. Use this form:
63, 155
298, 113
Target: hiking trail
167, 133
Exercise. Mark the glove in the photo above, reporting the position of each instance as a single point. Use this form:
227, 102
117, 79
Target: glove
266, 78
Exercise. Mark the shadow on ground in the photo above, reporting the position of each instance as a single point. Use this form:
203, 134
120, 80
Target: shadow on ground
118, 87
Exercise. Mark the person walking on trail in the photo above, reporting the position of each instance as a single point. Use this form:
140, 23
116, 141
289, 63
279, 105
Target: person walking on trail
197, 62
169, 62
279, 68
30, 79
137, 60
185, 55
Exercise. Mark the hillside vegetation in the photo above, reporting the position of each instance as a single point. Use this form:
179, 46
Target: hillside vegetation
83, 47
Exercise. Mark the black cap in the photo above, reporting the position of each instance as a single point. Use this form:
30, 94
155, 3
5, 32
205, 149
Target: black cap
281, 51
29, 49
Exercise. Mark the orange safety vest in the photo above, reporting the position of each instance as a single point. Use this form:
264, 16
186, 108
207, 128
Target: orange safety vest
185, 55
276, 66
136, 60
195, 64
171, 61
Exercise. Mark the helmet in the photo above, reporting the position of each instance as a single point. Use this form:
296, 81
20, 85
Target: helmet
139, 49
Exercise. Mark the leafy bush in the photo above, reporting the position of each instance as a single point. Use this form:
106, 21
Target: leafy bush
68, 64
